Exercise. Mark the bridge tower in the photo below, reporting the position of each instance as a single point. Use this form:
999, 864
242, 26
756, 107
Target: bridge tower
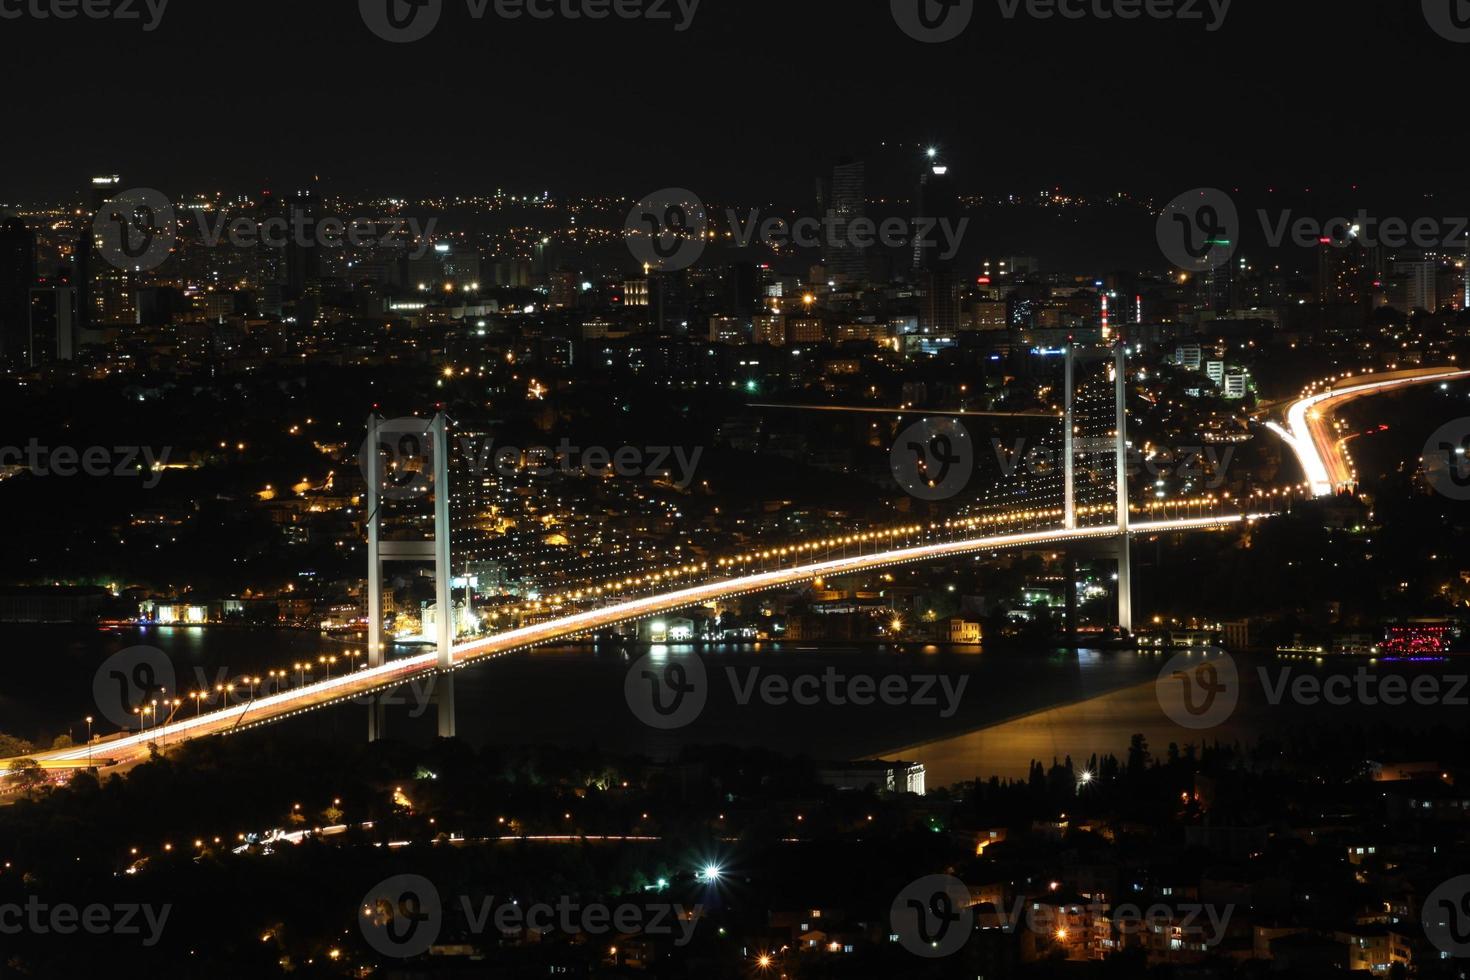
1125, 553
1069, 470
1069, 440
432, 448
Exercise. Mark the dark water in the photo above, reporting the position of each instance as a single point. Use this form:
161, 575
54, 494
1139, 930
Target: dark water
1014, 706
575, 695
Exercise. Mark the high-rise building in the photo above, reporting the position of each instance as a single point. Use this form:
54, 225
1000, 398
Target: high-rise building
939, 308
303, 258
937, 207
270, 268
52, 332
745, 281
769, 329
104, 292
842, 202
1419, 279
1345, 273
937, 200
17, 276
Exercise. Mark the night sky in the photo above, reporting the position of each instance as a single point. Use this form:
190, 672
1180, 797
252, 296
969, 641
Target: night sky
754, 101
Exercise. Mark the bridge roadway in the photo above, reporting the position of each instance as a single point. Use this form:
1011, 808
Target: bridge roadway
126, 749
1308, 430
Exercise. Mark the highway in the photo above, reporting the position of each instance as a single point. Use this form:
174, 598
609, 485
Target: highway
1308, 430
131, 748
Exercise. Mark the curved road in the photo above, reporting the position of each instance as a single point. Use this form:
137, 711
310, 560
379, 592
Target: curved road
125, 749
1308, 430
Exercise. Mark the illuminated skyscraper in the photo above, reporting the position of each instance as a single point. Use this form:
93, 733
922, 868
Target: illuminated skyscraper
101, 288
937, 200
937, 207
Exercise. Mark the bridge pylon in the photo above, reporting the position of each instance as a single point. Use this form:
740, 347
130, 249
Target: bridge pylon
434, 445
1125, 555
1069, 464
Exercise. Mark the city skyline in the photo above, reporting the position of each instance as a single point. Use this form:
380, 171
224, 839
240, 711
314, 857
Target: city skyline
702, 490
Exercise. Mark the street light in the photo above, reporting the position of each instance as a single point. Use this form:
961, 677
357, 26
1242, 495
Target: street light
89, 741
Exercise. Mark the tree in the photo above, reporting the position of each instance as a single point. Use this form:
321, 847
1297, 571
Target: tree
62, 741
27, 775
1138, 755
11, 746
